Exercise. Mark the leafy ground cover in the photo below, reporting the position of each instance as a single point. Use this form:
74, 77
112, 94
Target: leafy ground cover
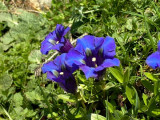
128, 92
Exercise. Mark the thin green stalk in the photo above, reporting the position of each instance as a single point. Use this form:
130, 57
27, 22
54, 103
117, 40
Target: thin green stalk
82, 101
45, 98
156, 9
107, 110
84, 106
7, 114
149, 34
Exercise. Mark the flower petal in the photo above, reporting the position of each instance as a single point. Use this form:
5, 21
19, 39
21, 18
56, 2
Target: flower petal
50, 66
60, 60
88, 71
154, 60
74, 57
66, 30
99, 41
69, 85
87, 42
108, 47
59, 30
46, 47
108, 63
55, 40
51, 76
66, 47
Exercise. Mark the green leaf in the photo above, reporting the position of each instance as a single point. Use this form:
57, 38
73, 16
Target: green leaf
108, 86
5, 82
34, 95
66, 98
151, 76
118, 114
156, 112
93, 116
35, 56
145, 97
137, 102
7, 114
11, 19
3, 47
2, 6
129, 24
18, 99
116, 73
7, 38
148, 85
110, 106
156, 87
126, 76
130, 94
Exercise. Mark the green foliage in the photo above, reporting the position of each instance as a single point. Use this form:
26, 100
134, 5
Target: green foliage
128, 92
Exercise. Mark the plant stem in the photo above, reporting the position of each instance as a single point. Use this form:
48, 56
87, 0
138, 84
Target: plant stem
149, 34
6, 113
45, 98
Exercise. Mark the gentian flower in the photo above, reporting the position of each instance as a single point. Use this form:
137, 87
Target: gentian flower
61, 73
56, 41
93, 54
154, 59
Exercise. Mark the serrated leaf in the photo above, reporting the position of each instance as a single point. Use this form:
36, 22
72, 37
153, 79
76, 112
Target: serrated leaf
18, 99
11, 19
7, 38
5, 82
34, 95
3, 47
66, 98
35, 56
3, 6
129, 24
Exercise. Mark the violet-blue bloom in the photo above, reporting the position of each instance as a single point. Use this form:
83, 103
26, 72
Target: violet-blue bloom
93, 54
154, 59
61, 73
56, 41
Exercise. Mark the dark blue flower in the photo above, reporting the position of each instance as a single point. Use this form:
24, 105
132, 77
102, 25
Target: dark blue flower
154, 59
93, 54
61, 73
56, 41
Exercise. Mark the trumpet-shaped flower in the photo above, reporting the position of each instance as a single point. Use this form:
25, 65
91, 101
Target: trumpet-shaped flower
56, 41
154, 59
61, 73
93, 54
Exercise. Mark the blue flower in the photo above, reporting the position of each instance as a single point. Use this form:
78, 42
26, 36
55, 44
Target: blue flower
56, 41
92, 55
154, 59
61, 73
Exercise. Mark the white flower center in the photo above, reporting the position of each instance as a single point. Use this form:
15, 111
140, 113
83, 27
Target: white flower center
93, 59
61, 73
51, 41
57, 42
